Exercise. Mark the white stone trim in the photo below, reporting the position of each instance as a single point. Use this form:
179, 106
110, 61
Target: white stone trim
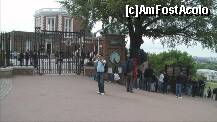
42, 23
60, 22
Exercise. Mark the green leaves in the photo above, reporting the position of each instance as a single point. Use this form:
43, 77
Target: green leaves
171, 30
173, 57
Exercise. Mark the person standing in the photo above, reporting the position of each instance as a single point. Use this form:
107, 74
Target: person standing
31, 53
215, 92
35, 59
115, 69
21, 58
179, 81
209, 92
27, 57
56, 55
129, 73
142, 84
100, 68
161, 82
189, 86
124, 72
135, 73
166, 83
148, 76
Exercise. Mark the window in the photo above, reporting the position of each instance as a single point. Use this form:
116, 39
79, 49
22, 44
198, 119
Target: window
37, 22
28, 45
50, 23
67, 26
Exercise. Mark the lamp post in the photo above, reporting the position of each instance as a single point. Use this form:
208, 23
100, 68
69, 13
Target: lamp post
98, 40
100, 30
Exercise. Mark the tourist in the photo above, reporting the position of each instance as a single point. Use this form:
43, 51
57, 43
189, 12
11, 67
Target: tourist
115, 70
21, 58
215, 92
202, 84
155, 83
189, 86
166, 83
27, 57
179, 81
148, 74
129, 83
100, 72
194, 88
124, 72
209, 92
161, 82
142, 79
135, 73
31, 57
35, 59
56, 55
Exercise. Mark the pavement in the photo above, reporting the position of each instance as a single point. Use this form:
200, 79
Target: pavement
74, 98
5, 87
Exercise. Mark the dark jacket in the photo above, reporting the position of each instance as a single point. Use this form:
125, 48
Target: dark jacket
148, 73
180, 79
129, 66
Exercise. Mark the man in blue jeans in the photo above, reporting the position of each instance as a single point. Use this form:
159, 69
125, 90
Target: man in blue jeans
180, 79
100, 64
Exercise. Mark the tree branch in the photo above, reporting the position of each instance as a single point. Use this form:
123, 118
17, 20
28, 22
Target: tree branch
151, 22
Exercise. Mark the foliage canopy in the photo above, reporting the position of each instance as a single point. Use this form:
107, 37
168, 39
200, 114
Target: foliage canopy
172, 30
173, 57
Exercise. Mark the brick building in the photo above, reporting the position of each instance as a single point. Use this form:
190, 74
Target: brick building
56, 19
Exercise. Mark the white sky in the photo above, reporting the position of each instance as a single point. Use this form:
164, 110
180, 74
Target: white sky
18, 15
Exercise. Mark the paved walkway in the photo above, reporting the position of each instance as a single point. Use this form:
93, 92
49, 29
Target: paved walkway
5, 87
74, 98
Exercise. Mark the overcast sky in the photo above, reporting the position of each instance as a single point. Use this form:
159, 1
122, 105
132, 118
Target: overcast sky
19, 15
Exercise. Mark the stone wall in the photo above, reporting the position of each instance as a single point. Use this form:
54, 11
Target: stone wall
23, 70
6, 72
18, 70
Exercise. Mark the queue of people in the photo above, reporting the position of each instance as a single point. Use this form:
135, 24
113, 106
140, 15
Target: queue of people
30, 58
145, 79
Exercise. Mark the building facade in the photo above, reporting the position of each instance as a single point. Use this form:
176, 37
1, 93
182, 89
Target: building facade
56, 19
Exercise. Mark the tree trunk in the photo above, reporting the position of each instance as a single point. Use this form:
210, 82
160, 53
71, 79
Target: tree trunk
135, 43
135, 37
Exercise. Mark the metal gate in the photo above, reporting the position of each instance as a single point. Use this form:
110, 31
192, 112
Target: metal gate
60, 52
4, 49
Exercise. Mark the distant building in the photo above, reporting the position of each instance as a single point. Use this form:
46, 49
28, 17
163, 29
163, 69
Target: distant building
205, 59
213, 60
56, 19
209, 74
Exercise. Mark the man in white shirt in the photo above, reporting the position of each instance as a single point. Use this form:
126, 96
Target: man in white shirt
161, 82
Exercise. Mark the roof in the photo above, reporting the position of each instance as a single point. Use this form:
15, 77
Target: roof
50, 11
206, 70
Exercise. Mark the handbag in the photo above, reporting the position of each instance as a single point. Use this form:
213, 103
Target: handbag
116, 77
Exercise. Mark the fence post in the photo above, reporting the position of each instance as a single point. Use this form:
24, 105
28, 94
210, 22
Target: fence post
7, 49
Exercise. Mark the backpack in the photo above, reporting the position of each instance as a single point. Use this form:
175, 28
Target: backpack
106, 68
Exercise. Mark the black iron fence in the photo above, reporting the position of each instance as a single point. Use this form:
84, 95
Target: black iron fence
51, 52
4, 49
